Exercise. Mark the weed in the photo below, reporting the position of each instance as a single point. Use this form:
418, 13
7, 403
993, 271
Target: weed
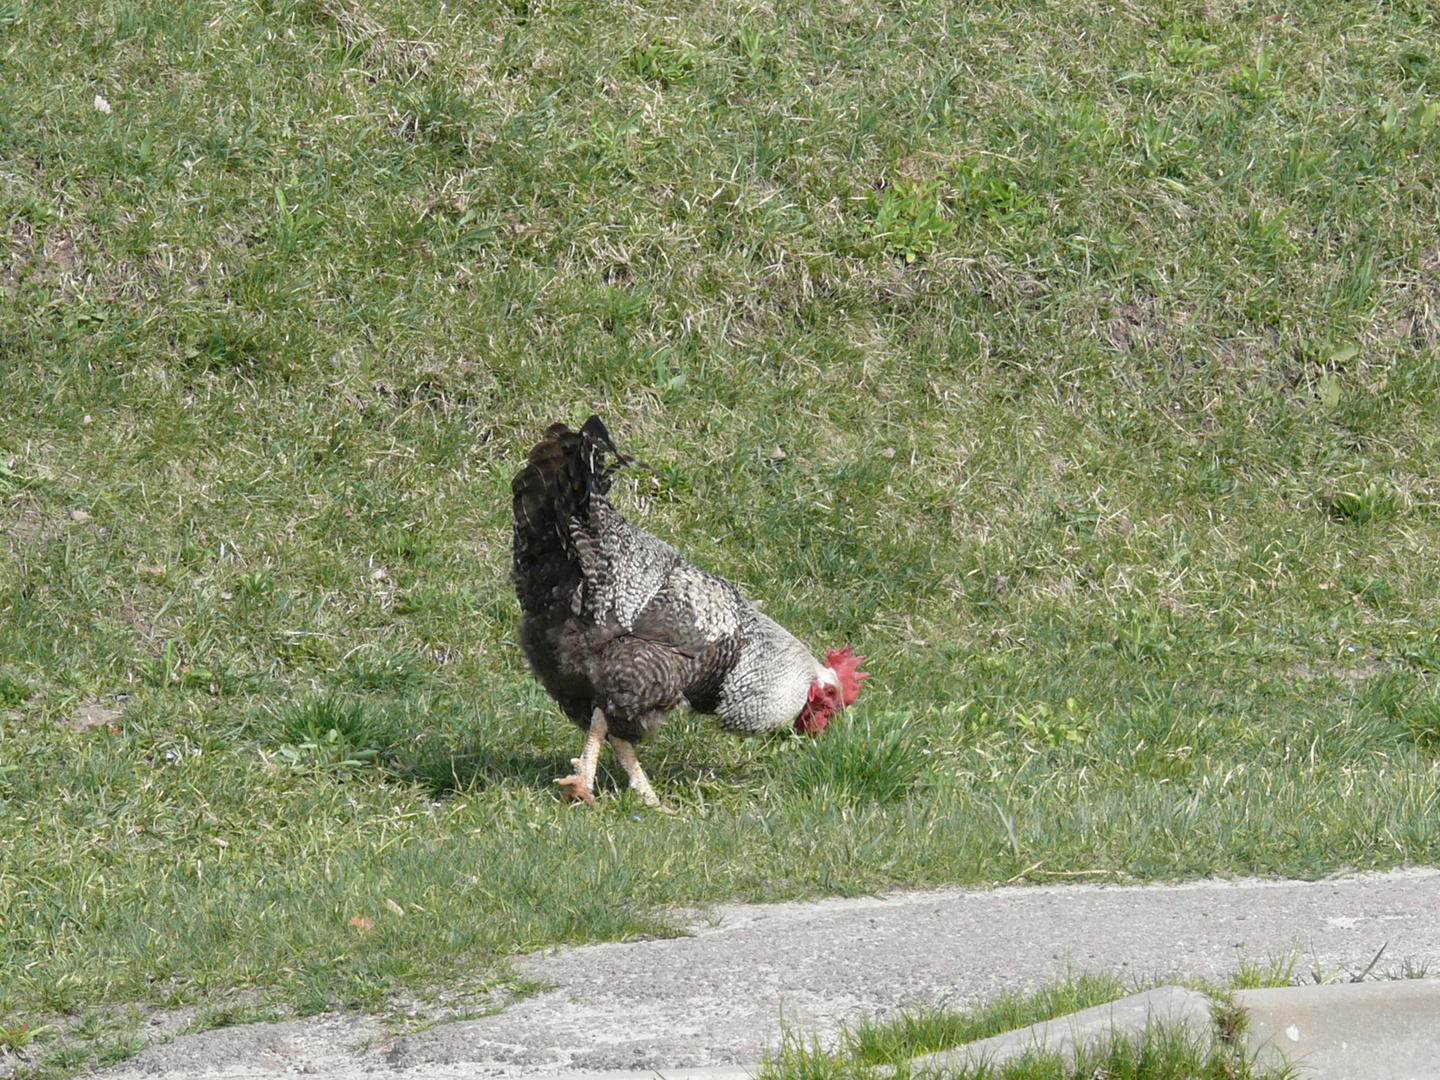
327, 732
1185, 51
754, 48
1044, 727
663, 63
908, 220
14, 1038
1280, 971
1413, 969
988, 193
13, 691
1376, 502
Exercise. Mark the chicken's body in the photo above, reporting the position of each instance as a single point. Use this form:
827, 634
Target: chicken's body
620, 629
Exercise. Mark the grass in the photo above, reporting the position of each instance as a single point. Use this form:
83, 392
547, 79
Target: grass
874, 1049
1156, 1054
1077, 364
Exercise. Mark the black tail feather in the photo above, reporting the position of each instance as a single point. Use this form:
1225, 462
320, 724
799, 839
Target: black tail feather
552, 510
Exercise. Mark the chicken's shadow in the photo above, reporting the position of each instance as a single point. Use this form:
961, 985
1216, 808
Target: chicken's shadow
445, 771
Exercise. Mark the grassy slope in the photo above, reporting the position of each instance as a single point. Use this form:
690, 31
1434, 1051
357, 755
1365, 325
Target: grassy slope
1098, 343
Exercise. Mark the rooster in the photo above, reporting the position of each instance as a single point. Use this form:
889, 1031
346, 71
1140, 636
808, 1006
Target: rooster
620, 629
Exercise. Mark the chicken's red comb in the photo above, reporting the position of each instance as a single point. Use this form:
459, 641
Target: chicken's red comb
846, 666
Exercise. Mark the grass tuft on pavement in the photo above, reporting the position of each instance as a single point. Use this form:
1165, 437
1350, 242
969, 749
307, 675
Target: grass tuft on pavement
874, 1049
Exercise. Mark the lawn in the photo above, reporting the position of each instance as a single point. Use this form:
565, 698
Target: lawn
1077, 362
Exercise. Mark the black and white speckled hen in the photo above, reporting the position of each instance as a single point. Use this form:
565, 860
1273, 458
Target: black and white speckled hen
620, 629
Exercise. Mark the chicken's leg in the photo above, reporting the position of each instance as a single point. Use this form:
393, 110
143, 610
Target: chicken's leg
625, 754
581, 783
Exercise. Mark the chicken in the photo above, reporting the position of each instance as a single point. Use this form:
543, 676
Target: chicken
620, 629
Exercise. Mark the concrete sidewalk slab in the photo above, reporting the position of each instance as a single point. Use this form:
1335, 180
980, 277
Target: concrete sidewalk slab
1172, 1007
1349, 1031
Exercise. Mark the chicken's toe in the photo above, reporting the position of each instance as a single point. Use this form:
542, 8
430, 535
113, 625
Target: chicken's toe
575, 788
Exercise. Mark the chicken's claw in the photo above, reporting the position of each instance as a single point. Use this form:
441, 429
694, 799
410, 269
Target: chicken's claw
575, 788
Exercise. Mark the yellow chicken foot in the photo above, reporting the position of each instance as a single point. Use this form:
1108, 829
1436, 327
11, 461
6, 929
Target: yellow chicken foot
581, 783
639, 783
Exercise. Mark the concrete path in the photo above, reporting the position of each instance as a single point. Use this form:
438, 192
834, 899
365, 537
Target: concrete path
1349, 1031
718, 997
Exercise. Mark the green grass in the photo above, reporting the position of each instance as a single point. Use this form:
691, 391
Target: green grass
1155, 1054
874, 1049
916, 1033
1076, 363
